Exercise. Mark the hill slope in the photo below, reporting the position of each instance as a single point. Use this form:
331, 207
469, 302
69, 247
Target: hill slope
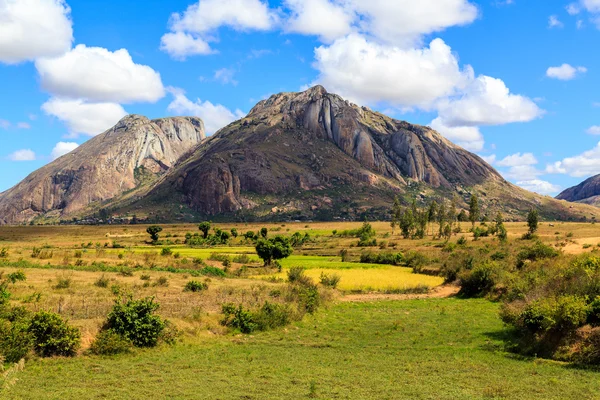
132, 153
314, 155
587, 192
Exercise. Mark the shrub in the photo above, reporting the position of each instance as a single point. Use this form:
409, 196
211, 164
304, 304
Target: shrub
309, 297
478, 281
219, 257
238, 318
213, 271
135, 321
415, 260
145, 277
102, 282
195, 286
52, 336
296, 274
345, 255
63, 282
538, 251
242, 259
166, 252
331, 281
382, 258
15, 340
499, 255
3, 252
124, 271
108, 343
272, 315
461, 241
162, 281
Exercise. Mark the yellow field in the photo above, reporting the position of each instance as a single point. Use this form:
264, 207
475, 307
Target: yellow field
385, 279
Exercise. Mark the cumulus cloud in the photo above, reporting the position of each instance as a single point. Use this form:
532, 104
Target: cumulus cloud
84, 118
468, 137
594, 130
180, 45
539, 186
321, 18
215, 116
565, 72
192, 30
97, 74
367, 72
518, 159
489, 159
487, 101
522, 173
30, 29
585, 164
22, 155
62, 148
554, 22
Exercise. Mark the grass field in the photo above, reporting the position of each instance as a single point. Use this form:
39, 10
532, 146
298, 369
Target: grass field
413, 349
417, 349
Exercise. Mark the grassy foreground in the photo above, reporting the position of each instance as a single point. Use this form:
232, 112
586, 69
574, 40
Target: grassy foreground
417, 349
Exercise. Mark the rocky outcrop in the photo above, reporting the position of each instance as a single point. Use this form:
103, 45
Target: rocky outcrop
134, 151
314, 140
587, 192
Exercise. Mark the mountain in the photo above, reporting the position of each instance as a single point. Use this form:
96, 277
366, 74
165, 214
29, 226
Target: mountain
314, 155
587, 192
132, 154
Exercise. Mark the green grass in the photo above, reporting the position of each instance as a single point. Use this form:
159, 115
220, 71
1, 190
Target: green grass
419, 349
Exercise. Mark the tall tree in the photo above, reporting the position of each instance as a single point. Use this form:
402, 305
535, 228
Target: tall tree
533, 221
473, 210
441, 217
396, 214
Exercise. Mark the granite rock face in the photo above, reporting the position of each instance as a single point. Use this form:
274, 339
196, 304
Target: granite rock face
315, 140
587, 192
135, 150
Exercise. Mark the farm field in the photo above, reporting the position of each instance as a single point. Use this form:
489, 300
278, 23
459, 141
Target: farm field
416, 349
429, 348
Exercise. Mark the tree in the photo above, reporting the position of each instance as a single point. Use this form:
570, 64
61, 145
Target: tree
441, 218
234, 232
153, 231
204, 228
533, 221
473, 210
273, 249
407, 223
264, 232
462, 216
396, 214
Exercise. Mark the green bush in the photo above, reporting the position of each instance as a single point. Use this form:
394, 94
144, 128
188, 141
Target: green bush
52, 336
242, 259
135, 320
296, 274
195, 286
478, 281
415, 260
272, 315
102, 282
538, 251
108, 343
213, 271
238, 318
16, 342
330, 280
166, 252
370, 257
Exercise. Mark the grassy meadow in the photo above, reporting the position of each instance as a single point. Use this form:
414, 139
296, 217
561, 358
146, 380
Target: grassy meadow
430, 348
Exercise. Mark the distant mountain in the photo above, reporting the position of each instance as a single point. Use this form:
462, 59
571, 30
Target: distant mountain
587, 192
314, 155
134, 153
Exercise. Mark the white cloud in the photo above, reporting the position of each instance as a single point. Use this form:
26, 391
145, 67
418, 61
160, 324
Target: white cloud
404, 22
522, 173
518, 159
573, 9
554, 22
592, 6
192, 30
30, 29
225, 76
468, 137
487, 101
4, 124
539, 186
320, 18
565, 72
180, 45
22, 155
84, 118
23, 125
367, 72
585, 164
215, 116
594, 130
96, 74
491, 159
62, 148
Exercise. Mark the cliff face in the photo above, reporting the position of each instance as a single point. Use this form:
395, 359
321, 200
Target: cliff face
316, 141
134, 151
587, 192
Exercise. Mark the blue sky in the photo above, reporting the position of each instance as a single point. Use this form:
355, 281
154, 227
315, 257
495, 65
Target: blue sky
514, 81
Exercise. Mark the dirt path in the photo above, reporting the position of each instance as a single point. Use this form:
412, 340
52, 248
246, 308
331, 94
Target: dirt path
439, 292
